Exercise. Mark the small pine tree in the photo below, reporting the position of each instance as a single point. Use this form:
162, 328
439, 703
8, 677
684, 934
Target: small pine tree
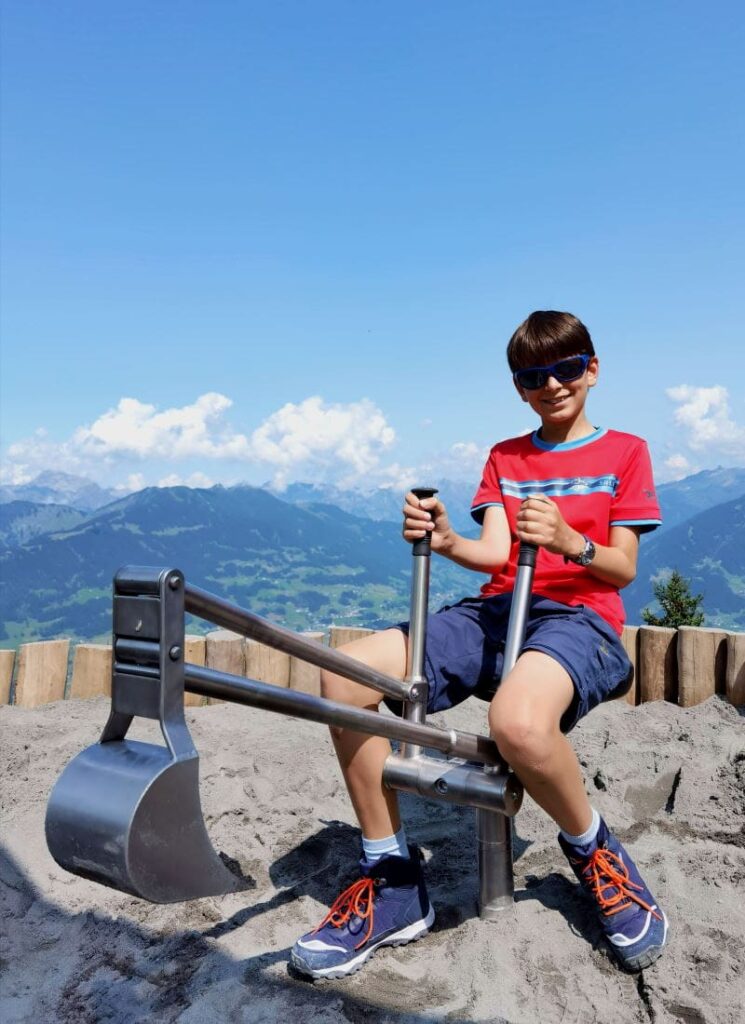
680, 607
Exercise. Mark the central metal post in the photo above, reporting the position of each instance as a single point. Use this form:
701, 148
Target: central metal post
494, 830
421, 550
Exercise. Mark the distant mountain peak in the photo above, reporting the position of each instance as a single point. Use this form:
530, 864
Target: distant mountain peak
54, 487
681, 499
57, 478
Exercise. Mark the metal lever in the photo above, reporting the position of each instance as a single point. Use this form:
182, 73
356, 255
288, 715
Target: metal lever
421, 550
518, 621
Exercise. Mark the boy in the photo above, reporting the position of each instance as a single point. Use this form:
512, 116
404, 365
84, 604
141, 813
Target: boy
583, 495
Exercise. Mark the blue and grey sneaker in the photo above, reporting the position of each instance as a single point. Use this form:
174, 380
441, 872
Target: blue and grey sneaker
635, 927
387, 906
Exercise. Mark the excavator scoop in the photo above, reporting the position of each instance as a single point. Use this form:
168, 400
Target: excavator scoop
125, 813
128, 815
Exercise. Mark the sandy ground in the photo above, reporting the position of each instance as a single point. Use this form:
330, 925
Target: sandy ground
671, 782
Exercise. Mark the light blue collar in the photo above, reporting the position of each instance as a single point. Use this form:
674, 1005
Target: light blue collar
566, 446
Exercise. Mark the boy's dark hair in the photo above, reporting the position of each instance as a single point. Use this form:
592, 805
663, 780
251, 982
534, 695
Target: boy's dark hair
547, 336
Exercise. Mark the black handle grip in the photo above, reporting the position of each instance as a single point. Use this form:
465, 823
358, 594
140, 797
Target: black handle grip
423, 546
528, 554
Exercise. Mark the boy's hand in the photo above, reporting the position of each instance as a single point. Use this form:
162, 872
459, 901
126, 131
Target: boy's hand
539, 521
423, 516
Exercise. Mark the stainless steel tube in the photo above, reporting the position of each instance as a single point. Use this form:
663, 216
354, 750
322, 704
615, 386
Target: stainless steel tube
518, 617
415, 709
496, 878
418, 618
455, 781
209, 683
222, 613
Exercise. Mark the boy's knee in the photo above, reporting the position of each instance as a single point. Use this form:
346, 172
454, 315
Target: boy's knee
384, 651
522, 737
346, 691
337, 688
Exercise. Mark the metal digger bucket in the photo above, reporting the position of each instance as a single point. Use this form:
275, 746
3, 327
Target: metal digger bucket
126, 813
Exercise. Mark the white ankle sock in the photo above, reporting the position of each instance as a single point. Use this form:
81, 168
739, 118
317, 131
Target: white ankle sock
586, 837
374, 849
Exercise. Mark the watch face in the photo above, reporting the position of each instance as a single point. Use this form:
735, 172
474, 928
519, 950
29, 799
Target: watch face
588, 554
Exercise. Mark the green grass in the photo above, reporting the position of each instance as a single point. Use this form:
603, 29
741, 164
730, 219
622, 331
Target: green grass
86, 595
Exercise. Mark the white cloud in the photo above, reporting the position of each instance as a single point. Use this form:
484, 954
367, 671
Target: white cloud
463, 460
134, 482
395, 477
704, 414
193, 480
137, 429
27, 458
132, 431
676, 467
311, 439
333, 437
469, 452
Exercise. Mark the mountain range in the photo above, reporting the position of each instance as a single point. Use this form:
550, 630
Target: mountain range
709, 549
383, 503
302, 567
299, 559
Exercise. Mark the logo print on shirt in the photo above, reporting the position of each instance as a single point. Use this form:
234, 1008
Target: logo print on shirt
560, 486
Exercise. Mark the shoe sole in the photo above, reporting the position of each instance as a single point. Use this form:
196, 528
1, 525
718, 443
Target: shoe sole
411, 933
645, 959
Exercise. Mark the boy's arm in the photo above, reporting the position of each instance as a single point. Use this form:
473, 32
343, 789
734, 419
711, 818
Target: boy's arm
540, 522
487, 554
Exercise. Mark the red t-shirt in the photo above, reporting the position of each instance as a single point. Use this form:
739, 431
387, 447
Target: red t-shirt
600, 481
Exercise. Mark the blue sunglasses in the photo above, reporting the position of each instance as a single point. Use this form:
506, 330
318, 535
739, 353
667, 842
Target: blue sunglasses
534, 377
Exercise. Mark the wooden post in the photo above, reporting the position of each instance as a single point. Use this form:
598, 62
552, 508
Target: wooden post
658, 664
266, 664
195, 653
42, 672
736, 669
702, 665
7, 660
91, 671
630, 641
340, 635
303, 675
225, 652
720, 664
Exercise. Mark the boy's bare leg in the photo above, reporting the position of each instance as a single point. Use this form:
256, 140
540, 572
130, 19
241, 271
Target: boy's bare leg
524, 721
389, 881
361, 756
524, 718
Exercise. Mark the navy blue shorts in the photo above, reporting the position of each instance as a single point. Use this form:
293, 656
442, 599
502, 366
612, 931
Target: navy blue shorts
465, 650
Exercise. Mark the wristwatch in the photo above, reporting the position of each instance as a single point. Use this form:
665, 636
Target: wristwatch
585, 556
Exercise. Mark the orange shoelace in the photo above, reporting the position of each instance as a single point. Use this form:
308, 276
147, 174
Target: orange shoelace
356, 901
605, 870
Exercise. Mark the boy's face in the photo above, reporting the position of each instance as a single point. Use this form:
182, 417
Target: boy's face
561, 401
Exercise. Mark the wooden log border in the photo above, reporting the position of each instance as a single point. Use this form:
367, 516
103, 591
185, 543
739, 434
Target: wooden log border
684, 666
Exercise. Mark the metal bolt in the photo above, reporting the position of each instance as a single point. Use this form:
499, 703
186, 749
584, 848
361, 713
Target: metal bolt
441, 786
174, 582
175, 653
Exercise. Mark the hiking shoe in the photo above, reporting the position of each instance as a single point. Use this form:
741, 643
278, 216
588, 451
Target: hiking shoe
387, 906
635, 927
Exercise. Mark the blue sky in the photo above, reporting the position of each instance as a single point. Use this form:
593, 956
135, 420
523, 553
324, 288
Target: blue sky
290, 240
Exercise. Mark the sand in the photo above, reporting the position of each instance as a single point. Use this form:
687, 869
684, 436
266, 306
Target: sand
670, 781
